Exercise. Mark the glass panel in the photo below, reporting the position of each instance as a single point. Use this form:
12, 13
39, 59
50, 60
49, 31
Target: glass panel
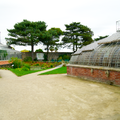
107, 55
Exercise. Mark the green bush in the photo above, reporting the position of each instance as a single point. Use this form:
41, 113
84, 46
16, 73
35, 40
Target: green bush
51, 66
25, 68
26, 65
64, 57
64, 65
60, 58
27, 59
39, 50
19, 69
16, 63
35, 59
37, 64
45, 57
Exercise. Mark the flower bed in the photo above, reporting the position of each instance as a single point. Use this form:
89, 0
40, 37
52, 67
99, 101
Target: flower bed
42, 65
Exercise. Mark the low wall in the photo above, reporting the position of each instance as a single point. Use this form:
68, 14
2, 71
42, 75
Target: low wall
51, 55
100, 74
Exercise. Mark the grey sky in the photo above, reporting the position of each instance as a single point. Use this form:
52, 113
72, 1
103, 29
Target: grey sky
99, 15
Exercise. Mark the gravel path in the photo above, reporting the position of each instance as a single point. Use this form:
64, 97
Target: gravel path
56, 97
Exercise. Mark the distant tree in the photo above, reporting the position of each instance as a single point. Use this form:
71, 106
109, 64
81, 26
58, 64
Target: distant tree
77, 35
26, 33
52, 48
51, 38
39, 50
100, 37
56, 49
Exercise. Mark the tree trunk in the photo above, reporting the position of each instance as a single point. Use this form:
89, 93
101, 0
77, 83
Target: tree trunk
47, 51
32, 47
32, 52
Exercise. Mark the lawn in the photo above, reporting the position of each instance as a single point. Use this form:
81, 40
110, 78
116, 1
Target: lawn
61, 70
21, 72
21, 68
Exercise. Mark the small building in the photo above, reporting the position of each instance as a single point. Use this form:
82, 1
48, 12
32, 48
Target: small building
7, 52
98, 61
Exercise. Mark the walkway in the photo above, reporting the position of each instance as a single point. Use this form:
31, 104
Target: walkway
56, 97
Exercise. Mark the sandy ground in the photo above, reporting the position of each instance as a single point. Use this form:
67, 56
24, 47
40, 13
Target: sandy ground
56, 97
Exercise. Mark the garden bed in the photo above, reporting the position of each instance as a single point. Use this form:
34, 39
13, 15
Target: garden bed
35, 68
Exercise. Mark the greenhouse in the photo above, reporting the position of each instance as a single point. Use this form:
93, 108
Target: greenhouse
6, 52
99, 61
105, 52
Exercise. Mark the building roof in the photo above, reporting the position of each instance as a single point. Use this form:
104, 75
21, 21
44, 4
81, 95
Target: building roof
113, 38
5, 47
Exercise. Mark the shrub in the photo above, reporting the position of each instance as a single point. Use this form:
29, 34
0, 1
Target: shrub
35, 59
64, 65
45, 57
25, 68
64, 57
19, 69
37, 64
51, 66
39, 50
60, 58
16, 63
27, 59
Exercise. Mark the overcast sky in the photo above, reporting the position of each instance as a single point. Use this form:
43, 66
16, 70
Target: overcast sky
99, 15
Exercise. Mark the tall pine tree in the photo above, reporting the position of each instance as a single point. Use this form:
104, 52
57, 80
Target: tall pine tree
77, 35
26, 33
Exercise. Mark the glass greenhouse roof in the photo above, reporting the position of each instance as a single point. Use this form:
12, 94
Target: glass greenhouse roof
6, 53
105, 52
113, 38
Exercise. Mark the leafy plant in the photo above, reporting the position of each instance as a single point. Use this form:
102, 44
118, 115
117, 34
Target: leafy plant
37, 64
25, 68
35, 59
27, 59
26, 65
16, 63
51, 48
64, 57
45, 57
39, 50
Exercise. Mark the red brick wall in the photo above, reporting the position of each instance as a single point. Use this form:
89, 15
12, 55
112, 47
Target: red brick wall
100, 75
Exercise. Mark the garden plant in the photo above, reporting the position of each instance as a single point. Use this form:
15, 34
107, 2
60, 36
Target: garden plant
20, 67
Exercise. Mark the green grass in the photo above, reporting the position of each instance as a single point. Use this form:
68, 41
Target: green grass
60, 70
21, 72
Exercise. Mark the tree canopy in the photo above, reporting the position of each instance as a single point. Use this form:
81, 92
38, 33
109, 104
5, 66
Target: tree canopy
51, 38
39, 50
26, 33
77, 35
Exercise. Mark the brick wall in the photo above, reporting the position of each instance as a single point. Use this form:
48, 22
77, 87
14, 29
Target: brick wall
99, 74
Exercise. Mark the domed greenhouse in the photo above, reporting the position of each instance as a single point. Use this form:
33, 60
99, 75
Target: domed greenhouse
6, 53
98, 61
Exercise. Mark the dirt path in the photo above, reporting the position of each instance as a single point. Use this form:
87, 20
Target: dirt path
56, 97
